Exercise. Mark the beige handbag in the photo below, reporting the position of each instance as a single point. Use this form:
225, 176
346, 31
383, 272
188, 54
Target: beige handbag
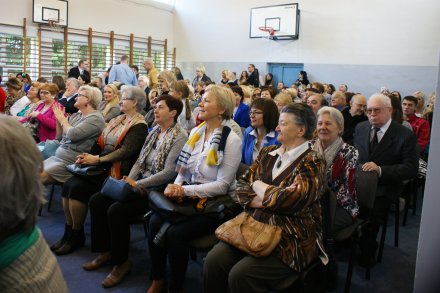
249, 235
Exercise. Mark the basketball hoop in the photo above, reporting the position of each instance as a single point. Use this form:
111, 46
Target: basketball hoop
54, 24
270, 32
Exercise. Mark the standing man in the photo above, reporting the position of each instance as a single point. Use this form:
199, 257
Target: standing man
254, 76
82, 68
152, 75
343, 88
201, 76
389, 149
419, 125
122, 73
353, 116
69, 96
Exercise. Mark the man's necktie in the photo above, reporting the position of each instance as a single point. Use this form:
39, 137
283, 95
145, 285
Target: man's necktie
374, 140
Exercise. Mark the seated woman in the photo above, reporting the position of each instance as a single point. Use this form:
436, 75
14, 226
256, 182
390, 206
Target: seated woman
44, 114
155, 167
283, 188
282, 99
264, 118
241, 110
119, 144
109, 107
83, 79
341, 160
206, 170
79, 133
149, 117
14, 93
179, 89
26, 265
28, 102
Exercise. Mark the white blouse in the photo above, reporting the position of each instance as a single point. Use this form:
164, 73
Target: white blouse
210, 181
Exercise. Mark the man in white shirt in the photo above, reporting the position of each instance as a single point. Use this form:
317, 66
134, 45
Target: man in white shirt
82, 68
389, 149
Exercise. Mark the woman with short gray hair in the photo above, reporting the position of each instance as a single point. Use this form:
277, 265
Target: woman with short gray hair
341, 159
118, 146
26, 265
79, 133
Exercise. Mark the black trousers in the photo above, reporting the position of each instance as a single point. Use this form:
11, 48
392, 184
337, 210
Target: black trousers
228, 269
110, 221
176, 247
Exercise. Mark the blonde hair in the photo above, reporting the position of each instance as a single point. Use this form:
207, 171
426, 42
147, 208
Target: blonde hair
94, 95
293, 92
225, 99
283, 98
114, 101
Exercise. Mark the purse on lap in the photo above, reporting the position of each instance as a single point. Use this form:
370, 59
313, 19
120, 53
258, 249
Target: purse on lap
87, 170
249, 235
118, 190
175, 212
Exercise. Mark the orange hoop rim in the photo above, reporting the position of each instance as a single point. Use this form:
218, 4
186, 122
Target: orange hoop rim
267, 29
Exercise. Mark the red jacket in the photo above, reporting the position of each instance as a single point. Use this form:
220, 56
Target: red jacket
2, 100
420, 127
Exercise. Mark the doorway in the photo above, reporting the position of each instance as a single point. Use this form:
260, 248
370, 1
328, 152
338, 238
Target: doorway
285, 72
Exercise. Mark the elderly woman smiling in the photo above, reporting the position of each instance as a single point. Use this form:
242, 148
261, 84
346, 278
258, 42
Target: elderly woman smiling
79, 132
207, 167
341, 159
282, 188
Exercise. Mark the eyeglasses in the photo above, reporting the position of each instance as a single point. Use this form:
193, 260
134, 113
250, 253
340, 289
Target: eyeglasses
256, 95
126, 99
254, 113
81, 95
44, 93
374, 110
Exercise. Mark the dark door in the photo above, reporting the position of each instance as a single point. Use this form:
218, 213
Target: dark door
285, 72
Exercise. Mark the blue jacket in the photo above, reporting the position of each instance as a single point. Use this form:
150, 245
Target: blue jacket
249, 143
242, 115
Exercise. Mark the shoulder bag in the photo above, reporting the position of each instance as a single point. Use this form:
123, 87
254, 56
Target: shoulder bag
249, 235
118, 190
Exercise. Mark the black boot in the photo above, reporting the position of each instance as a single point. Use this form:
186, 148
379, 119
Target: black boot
62, 241
76, 240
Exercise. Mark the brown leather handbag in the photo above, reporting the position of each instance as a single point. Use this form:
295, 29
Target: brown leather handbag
249, 235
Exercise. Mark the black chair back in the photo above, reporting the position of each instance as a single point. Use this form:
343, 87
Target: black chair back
366, 185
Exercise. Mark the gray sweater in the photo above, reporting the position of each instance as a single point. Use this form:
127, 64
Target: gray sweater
83, 134
165, 176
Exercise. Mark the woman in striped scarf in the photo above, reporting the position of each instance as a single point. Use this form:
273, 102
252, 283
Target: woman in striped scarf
206, 168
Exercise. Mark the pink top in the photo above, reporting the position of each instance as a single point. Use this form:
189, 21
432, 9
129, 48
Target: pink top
47, 128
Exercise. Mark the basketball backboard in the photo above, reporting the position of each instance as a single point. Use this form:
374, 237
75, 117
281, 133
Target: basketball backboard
283, 19
45, 11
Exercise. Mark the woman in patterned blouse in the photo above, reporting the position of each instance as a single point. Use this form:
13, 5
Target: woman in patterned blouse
282, 188
341, 159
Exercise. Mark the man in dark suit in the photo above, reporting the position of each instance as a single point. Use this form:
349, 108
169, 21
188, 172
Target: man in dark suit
389, 149
82, 67
69, 96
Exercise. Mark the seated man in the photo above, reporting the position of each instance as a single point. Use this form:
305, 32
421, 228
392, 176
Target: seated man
339, 101
353, 115
390, 149
69, 96
419, 125
316, 102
